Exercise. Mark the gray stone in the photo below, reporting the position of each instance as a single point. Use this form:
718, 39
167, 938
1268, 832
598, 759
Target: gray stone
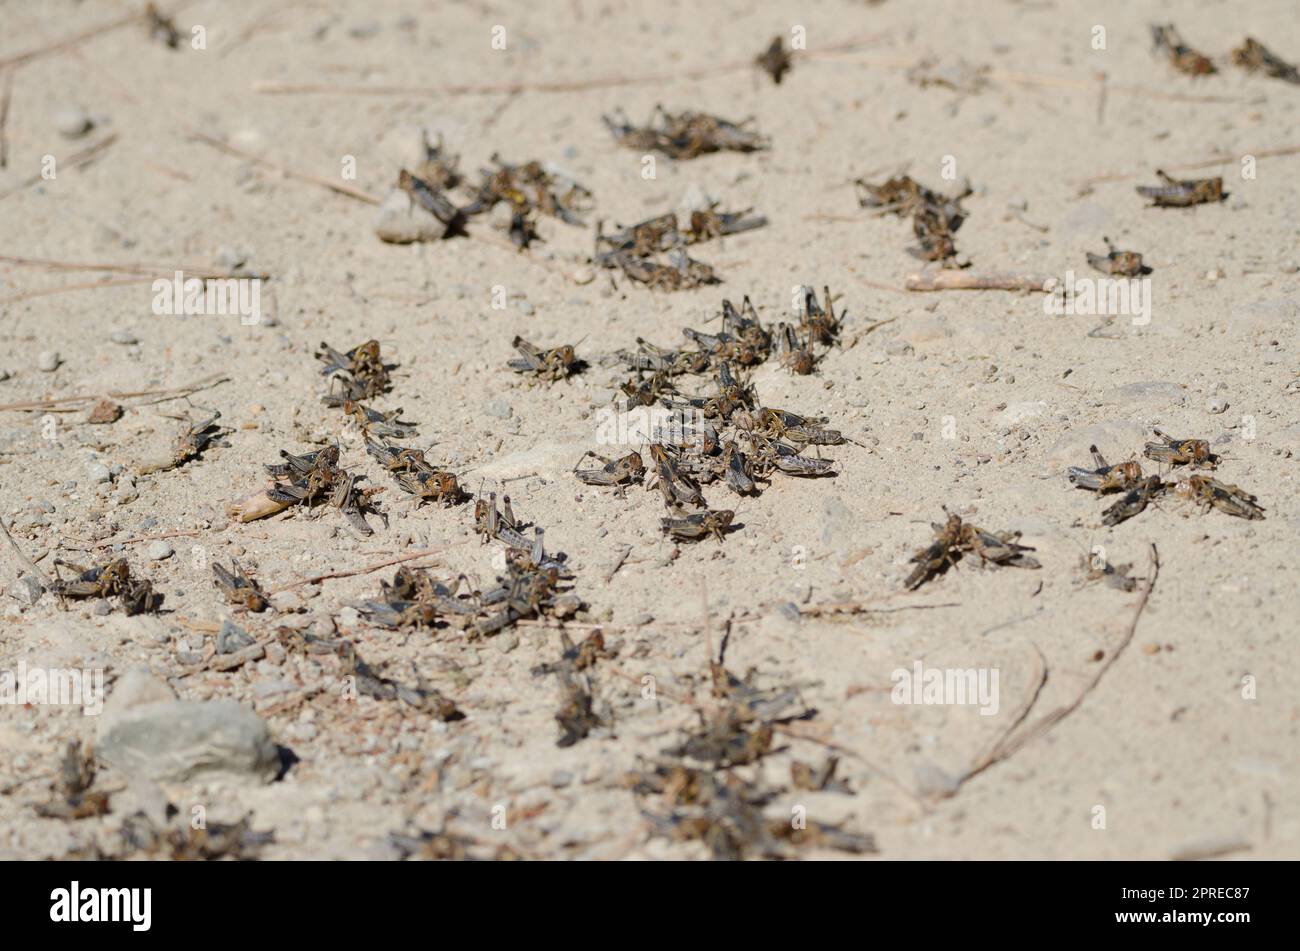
47, 361
124, 337
159, 550
26, 590
180, 741
73, 122
401, 221
1216, 405
232, 638
498, 408
98, 473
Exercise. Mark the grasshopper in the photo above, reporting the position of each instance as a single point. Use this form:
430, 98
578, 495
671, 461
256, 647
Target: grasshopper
1118, 263
685, 135
557, 363
709, 223
193, 439
1254, 56
371, 422
1134, 501
1106, 478
432, 199
617, 472
1177, 452
1226, 498
954, 538
238, 587
112, 580
1183, 58
1183, 193
360, 372
694, 528
775, 60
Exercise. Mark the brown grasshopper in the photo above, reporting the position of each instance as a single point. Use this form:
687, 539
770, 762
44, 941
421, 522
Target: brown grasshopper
793, 351
71, 797
1226, 498
954, 539
694, 528
531, 187
113, 580
685, 135
432, 199
818, 321
1134, 501
775, 60
557, 363
1183, 193
1118, 263
193, 439
371, 422
360, 372
1105, 477
1254, 56
617, 472
802, 430
1113, 576
1181, 56
1179, 452
317, 478
161, 27
709, 223
238, 587
431, 485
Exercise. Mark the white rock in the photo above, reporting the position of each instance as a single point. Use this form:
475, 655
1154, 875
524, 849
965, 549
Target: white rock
401, 221
47, 361
1019, 412
73, 122
1216, 405
159, 550
97, 472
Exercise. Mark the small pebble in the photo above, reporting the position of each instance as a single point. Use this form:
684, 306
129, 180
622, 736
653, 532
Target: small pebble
1216, 405
101, 608
97, 472
124, 337
159, 550
73, 122
498, 408
48, 361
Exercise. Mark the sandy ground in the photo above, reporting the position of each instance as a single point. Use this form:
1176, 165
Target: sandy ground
1168, 742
